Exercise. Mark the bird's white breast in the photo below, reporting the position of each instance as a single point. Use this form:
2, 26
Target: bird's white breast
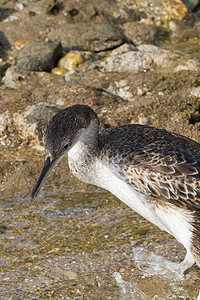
174, 220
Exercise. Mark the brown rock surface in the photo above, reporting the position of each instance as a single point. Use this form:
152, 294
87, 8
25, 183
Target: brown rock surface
124, 84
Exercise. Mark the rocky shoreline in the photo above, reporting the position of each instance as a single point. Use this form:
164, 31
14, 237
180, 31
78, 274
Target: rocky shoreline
132, 62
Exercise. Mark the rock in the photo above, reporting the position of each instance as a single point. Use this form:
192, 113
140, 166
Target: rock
3, 68
3, 124
155, 12
190, 33
30, 124
19, 78
83, 36
69, 274
168, 59
39, 56
147, 57
141, 33
19, 6
71, 61
20, 44
126, 84
131, 61
176, 9
191, 4
195, 92
121, 88
58, 71
13, 77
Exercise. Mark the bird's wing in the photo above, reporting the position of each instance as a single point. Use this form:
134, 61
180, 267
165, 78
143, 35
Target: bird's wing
155, 162
174, 178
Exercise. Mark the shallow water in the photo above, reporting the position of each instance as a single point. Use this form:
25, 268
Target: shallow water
82, 246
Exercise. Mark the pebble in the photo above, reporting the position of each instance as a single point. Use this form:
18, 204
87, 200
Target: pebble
71, 61
19, 6
20, 44
139, 91
71, 275
58, 71
195, 92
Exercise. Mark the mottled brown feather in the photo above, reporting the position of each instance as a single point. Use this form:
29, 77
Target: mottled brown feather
159, 164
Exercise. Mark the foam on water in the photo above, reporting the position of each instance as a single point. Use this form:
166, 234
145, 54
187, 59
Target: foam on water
128, 291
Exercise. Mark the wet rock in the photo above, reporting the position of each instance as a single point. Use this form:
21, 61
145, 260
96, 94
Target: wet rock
39, 56
83, 36
141, 33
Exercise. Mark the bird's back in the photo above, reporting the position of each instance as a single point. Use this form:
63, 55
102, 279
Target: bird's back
160, 164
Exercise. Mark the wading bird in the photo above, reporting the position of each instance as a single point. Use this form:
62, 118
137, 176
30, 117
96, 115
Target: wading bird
155, 172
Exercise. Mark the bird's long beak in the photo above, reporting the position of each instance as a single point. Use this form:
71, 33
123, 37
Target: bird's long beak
49, 164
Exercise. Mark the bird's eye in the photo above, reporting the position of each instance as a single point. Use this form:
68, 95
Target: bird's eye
66, 146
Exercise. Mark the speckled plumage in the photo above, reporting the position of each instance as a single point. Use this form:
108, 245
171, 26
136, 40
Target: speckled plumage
162, 165
156, 162
160, 168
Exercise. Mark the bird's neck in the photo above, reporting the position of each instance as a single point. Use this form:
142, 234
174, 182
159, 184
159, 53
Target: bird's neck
89, 136
84, 151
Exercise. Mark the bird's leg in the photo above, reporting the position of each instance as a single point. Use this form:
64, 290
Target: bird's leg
187, 263
155, 264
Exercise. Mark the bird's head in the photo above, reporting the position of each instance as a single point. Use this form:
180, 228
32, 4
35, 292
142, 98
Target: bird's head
62, 132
